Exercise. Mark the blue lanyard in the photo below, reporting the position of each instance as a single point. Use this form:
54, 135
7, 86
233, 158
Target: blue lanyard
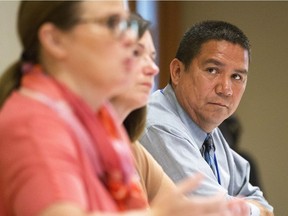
217, 170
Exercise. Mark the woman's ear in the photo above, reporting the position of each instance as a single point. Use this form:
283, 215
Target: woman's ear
176, 70
51, 39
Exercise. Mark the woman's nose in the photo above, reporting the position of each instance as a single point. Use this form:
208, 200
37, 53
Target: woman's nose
151, 68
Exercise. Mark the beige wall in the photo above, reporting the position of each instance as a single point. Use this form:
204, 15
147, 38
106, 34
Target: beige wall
263, 110
9, 45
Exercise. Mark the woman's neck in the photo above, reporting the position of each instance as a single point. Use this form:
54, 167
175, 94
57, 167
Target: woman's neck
121, 108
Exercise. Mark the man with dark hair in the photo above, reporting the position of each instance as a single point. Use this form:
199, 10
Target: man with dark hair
207, 80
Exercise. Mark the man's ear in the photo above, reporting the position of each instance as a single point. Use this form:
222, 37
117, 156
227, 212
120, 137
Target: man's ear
51, 39
176, 70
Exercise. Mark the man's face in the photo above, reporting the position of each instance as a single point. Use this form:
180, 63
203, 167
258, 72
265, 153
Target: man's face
211, 88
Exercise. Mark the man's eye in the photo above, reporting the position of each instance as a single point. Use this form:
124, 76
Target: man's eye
237, 77
212, 70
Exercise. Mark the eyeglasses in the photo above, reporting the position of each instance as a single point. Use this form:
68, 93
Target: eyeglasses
116, 24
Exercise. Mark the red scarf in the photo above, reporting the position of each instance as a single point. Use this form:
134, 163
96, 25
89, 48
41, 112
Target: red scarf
114, 164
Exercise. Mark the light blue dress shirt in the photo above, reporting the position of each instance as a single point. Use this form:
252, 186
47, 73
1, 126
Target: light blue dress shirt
174, 140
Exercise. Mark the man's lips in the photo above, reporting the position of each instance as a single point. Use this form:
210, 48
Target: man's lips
218, 104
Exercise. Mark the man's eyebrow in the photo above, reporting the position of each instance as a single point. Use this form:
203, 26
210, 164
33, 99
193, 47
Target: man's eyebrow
242, 71
218, 63
213, 61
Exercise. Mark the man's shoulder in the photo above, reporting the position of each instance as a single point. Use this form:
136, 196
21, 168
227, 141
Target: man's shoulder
160, 110
162, 116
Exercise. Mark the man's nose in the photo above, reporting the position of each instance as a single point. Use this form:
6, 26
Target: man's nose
224, 86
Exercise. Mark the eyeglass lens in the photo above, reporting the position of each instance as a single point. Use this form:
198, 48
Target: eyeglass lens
120, 25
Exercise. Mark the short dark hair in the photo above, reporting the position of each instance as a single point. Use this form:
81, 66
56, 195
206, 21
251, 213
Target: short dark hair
202, 32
